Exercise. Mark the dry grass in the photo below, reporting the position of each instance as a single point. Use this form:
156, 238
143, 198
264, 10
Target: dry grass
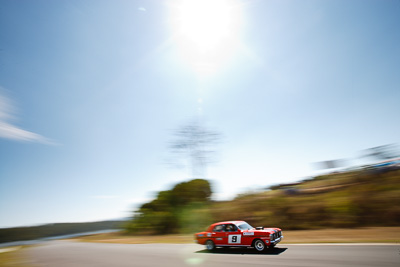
360, 235
13, 257
126, 239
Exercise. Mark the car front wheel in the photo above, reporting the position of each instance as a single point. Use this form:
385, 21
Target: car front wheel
259, 245
210, 245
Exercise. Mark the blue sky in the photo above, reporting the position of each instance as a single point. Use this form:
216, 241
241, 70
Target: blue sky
91, 92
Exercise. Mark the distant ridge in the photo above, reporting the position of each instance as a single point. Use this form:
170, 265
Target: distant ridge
56, 229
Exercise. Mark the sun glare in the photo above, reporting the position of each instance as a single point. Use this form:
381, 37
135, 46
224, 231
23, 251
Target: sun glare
206, 32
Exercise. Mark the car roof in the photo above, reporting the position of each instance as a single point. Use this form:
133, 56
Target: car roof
222, 223
229, 222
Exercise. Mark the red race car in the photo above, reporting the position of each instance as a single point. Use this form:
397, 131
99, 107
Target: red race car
239, 234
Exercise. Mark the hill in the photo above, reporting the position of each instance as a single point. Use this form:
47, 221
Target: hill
56, 229
368, 197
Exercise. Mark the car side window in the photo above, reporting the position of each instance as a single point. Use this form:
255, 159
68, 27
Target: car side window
230, 228
218, 228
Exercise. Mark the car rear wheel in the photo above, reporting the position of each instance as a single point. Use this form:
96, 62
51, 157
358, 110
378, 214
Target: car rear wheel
259, 245
210, 245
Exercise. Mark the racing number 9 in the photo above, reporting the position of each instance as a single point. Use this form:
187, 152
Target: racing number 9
234, 239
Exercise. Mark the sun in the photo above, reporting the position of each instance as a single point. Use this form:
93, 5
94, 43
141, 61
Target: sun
205, 31
204, 23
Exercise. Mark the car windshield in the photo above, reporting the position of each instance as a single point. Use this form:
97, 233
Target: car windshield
245, 226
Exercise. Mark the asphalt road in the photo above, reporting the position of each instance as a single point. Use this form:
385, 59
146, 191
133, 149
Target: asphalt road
68, 253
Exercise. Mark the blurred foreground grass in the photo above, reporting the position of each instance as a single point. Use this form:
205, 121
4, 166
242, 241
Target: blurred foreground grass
13, 257
359, 235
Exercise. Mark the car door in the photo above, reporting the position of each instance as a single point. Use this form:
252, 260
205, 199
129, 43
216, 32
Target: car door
233, 235
218, 235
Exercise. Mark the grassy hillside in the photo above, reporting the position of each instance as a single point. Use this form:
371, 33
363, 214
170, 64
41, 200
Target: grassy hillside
352, 199
363, 198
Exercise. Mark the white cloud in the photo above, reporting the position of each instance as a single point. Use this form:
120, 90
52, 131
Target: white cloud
142, 9
10, 131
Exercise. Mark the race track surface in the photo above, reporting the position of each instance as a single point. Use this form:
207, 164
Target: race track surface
68, 253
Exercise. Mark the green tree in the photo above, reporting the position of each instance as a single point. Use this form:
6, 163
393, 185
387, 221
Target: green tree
173, 209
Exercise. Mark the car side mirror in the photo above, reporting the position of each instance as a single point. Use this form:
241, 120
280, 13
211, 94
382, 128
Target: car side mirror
260, 228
